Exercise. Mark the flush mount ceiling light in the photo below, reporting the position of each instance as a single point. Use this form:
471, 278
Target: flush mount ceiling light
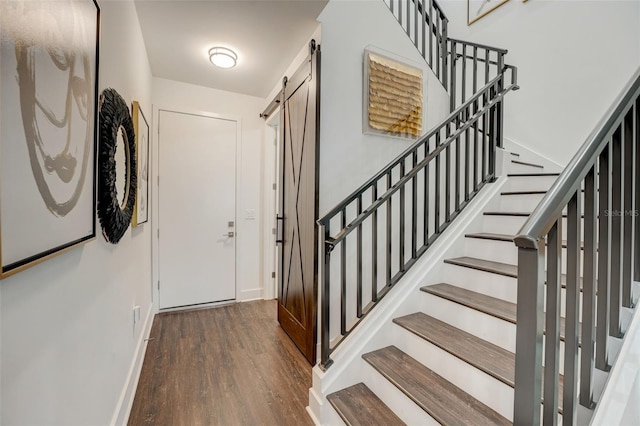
223, 57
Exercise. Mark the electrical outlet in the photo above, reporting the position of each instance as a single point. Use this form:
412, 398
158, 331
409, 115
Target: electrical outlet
136, 314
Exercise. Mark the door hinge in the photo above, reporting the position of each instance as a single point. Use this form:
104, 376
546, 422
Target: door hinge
158, 284
158, 180
158, 233
273, 231
274, 187
273, 275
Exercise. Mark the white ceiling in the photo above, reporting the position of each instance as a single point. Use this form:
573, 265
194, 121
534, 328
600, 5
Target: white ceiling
266, 35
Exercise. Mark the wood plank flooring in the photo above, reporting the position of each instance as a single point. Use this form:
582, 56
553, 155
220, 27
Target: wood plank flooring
230, 365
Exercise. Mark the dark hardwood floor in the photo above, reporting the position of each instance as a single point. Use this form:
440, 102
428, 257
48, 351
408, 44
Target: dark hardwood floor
229, 365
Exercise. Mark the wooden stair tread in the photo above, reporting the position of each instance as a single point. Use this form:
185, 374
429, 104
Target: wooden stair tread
489, 305
487, 357
533, 174
523, 192
357, 405
503, 237
518, 214
506, 269
490, 266
480, 302
442, 400
524, 163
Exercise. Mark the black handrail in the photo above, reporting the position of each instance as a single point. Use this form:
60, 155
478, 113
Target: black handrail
600, 190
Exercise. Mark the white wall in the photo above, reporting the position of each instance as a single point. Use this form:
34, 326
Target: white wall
573, 58
188, 97
68, 341
348, 157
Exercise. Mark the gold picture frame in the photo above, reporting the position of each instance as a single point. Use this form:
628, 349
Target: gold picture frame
477, 9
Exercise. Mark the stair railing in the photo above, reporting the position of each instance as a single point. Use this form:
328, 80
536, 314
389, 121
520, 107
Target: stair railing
399, 213
426, 25
600, 192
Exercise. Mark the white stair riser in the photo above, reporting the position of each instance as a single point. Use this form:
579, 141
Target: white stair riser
520, 202
408, 411
503, 224
494, 330
530, 183
523, 168
497, 251
487, 283
476, 383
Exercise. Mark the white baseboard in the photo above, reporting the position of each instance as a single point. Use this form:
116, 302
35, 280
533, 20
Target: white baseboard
125, 402
253, 294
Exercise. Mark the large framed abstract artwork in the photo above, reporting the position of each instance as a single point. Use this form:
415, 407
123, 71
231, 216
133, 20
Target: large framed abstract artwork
141, 127
48, 104
392, 97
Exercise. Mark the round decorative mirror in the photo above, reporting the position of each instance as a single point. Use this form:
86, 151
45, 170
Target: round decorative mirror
117, 166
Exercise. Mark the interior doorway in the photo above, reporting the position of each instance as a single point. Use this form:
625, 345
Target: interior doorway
271, 200
197, 208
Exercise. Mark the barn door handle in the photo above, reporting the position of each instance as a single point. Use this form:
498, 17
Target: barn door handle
229, 234
279, 220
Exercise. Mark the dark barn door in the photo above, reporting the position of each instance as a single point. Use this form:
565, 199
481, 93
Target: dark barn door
297, 298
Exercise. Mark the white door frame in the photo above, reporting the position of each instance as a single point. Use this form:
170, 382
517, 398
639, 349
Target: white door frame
155, 193
270, 203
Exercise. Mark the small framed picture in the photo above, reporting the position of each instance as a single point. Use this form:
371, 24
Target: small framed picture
141, 127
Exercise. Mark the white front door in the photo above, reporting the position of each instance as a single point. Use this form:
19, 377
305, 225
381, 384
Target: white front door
197, 209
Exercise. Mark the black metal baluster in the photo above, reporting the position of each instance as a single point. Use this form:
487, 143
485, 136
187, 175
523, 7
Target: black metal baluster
454, 79
343, 277
616, 235
570, 388
447, 177
416, 13
485, 120
636, 212
604, 252
552, 325
436, 228
438, 35
426, 196
326, 299
402, 236
588, 289
424, 19
463, 83
409, 18
374, 245
359, 259
414, 207
467, 157
389, 242
627, 243
431, 34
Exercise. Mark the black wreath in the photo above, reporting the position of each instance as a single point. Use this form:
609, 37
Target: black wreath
114, 115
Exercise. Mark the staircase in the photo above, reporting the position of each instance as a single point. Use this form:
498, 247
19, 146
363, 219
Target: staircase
467, 321
507, 286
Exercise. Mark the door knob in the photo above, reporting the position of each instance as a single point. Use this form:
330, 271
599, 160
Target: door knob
229, 234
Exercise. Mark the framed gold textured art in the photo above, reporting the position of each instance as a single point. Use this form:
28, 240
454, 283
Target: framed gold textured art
476, 9
141, 127
393, 97
48, 103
